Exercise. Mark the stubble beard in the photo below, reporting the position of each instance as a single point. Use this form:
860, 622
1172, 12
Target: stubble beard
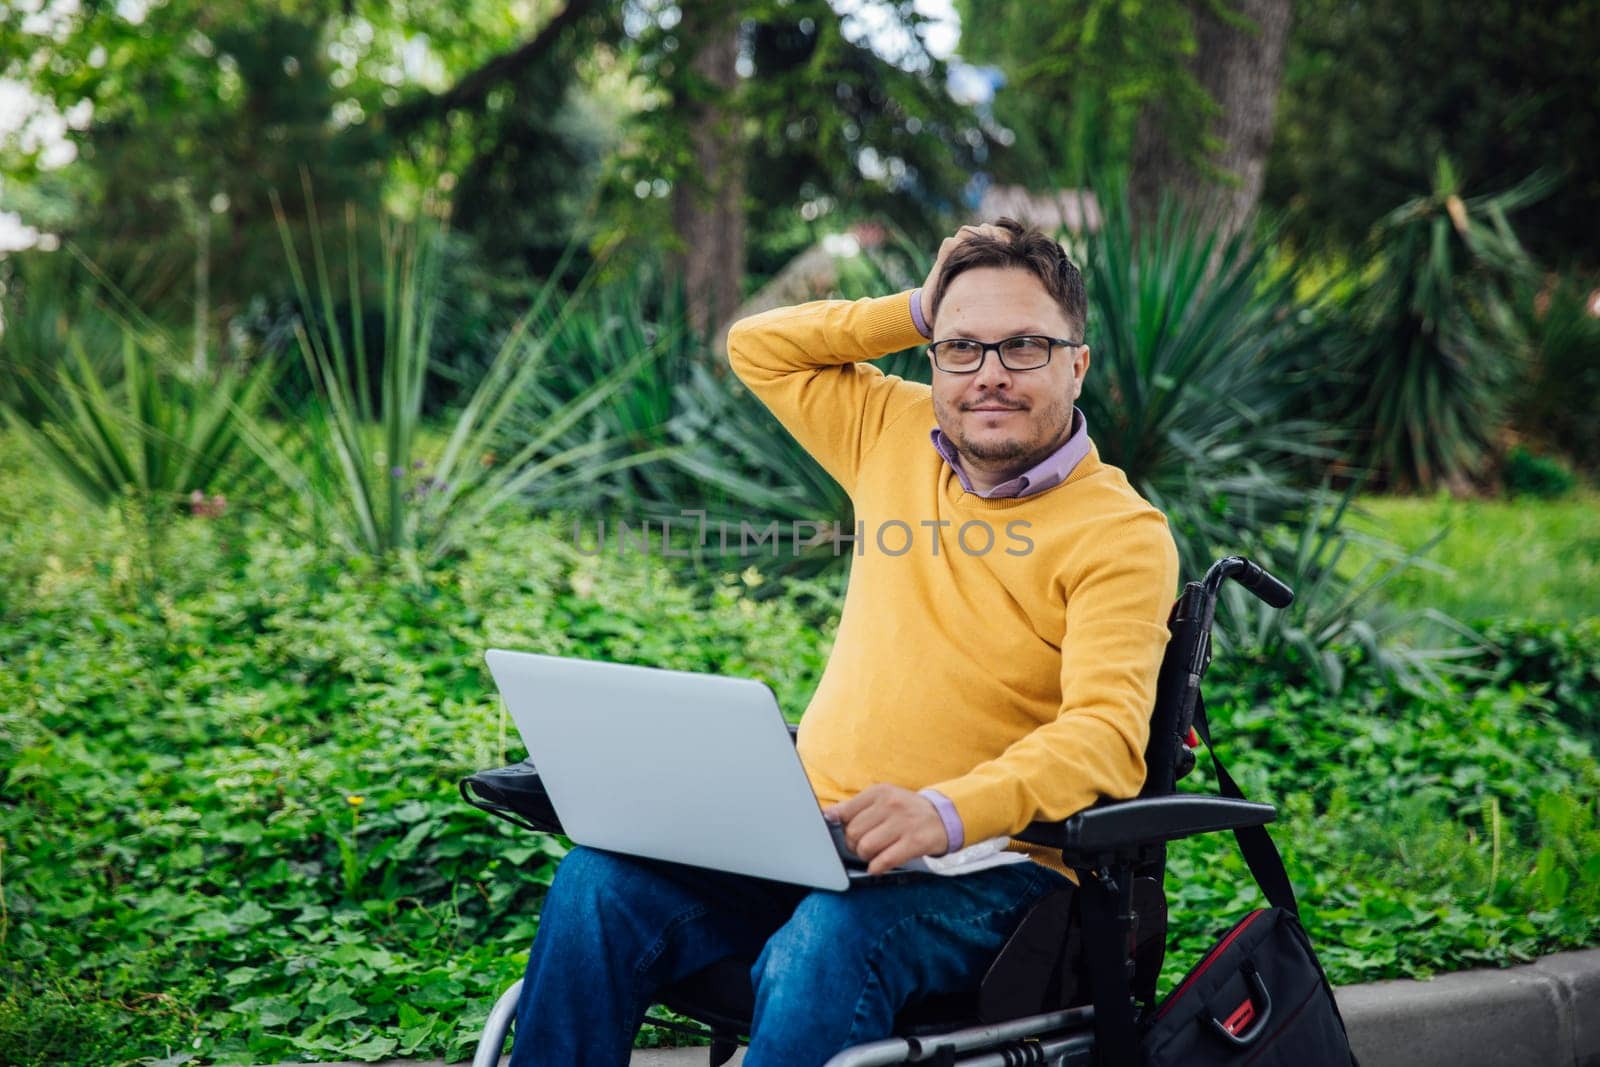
1056, 420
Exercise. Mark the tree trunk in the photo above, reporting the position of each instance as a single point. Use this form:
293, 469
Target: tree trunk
1241, 69
202, 283
708, 201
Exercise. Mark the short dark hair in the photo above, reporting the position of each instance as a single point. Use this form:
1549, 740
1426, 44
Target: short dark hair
1027, 248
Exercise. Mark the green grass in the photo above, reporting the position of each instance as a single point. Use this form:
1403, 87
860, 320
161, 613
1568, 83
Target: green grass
1499, 559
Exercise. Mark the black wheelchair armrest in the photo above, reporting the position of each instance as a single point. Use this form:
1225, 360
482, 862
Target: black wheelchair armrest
515, 794
1112, 826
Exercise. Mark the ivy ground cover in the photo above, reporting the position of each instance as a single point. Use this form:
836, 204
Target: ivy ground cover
230, 829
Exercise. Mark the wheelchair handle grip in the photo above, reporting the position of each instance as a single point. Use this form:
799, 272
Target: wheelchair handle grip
1255, 578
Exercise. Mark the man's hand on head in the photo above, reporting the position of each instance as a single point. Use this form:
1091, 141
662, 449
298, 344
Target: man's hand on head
948, 245
887, 825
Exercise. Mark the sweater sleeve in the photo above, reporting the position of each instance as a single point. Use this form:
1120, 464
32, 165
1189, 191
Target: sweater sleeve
1114, 639
806, 363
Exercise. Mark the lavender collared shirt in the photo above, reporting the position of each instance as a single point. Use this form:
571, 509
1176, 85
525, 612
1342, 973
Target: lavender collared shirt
1046, 474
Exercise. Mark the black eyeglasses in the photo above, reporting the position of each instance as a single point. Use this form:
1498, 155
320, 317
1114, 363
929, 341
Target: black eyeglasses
962, 355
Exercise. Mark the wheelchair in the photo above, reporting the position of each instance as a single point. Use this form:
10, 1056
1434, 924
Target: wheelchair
1077, 978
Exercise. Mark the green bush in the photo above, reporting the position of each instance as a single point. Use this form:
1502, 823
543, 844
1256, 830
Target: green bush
1423, 833
596, 348
1526, 473
1561, 659
160, 434
1555, 402
1340, 616
163, 441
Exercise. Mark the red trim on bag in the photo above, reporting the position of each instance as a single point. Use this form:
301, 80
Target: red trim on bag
1209, 960
1240, 1020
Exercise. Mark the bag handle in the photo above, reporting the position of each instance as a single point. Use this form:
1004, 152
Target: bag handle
1255, 1013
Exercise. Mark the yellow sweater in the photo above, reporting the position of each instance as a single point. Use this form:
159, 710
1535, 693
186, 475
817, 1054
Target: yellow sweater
1007, 659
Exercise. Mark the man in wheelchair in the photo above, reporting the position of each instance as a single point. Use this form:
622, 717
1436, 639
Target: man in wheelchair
996, 663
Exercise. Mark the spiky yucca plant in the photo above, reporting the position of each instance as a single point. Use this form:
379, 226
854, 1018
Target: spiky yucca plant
1197, 387
1439, 340
353, 459
158, 436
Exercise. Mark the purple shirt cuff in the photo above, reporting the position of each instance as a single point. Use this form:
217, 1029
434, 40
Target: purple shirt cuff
955, 834
916, 314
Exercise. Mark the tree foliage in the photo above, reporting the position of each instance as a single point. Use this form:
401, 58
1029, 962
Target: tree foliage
190, 115
541, 121
1373, 93
1078, 75
825, 117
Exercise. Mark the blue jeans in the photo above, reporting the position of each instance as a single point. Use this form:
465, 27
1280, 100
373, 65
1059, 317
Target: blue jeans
831, 970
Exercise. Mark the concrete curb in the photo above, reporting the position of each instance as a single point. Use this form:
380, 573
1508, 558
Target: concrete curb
1545, 1013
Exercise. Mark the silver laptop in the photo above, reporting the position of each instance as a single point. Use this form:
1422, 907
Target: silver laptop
691, 768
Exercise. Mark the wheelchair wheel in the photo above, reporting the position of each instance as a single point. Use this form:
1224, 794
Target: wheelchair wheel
497, 1027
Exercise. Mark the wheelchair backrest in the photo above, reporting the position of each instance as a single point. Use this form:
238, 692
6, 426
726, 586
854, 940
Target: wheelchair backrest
1168, 756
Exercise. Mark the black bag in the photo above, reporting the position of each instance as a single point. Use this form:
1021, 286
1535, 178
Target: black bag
1259, 996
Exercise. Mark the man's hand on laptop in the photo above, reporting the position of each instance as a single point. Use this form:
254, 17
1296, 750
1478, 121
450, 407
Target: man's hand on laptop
887, 825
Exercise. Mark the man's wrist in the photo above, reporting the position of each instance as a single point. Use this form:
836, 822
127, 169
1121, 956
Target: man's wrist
916, 315
954, 832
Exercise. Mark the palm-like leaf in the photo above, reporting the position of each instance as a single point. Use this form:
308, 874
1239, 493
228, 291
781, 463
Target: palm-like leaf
1196, 389
158, 436
45, 308
746, 468
1556, 402
353, 464
1338, 607
598, 347
1439, 337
